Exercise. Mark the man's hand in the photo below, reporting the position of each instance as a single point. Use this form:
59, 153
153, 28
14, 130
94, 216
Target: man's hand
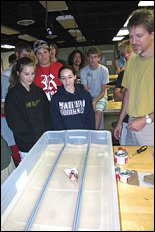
137, 124
117, 131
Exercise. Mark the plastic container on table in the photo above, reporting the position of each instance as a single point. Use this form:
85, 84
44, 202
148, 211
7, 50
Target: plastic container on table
39, 195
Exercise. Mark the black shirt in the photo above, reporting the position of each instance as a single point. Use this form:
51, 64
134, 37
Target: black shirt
27, 115
118, 85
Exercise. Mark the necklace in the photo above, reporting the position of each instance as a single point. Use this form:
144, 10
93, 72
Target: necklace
40, 68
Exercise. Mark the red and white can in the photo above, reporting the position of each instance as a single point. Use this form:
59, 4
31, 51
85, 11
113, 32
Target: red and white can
121, 157
124, 176
117, 171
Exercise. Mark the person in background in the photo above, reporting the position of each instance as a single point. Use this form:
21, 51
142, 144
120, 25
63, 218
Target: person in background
12, 59
138, 81
125, 51
22, 49
95, 77
6, 74
26, 106
119, 60
7, 163
46, 75
71, 107
54, 52
2, 67
77, 61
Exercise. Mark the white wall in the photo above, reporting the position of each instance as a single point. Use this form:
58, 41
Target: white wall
4, 57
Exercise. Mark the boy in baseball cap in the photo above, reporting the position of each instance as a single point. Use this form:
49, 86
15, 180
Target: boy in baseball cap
46, 75
39, 44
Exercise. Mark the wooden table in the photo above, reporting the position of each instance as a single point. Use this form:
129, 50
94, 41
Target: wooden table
113, 106
136, 203
113, 77
111, 114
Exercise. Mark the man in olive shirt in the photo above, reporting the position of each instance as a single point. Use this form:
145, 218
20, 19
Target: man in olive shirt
138, 80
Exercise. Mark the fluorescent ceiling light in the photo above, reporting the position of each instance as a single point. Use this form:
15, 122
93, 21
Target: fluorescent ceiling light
67, 21
54, 5
51, 36
123, 32
60, 41
75, 33
7, 46
146, 3
126, 23
25, 22
8, 31
81, 39
27, 37
141, 3
117, 38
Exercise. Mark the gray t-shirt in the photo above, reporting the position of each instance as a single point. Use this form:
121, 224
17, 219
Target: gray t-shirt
94, 79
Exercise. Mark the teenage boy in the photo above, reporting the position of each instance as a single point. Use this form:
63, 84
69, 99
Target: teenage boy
95, 77
46, 71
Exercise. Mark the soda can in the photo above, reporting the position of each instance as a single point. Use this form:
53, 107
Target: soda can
124, 176
121, 157
117, 171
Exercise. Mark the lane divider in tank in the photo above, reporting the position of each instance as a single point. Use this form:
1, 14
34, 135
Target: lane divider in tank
43, 190
79, 197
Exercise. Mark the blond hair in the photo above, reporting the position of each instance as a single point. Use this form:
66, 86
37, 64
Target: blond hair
124, 47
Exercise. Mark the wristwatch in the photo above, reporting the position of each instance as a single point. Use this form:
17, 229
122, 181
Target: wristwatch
148, 119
